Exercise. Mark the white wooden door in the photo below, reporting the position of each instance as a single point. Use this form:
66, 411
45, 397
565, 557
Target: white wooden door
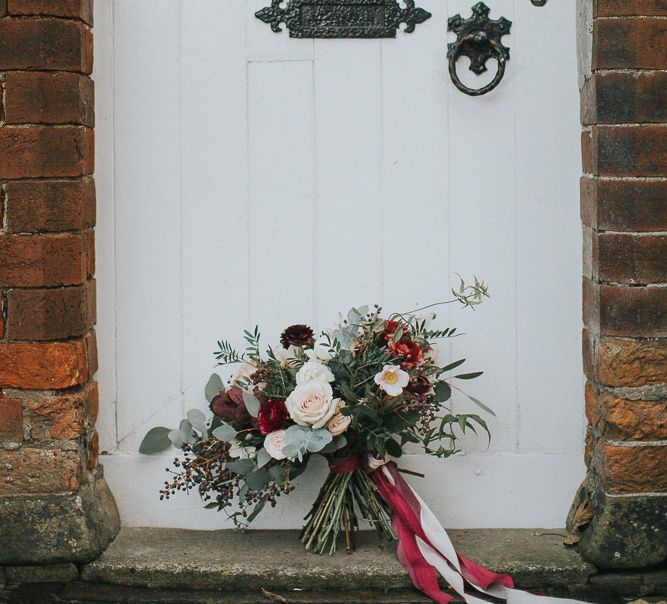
245, 177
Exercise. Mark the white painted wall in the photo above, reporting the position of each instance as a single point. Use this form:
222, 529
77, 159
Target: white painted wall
245, 177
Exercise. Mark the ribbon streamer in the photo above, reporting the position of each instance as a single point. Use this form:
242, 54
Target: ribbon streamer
424, 548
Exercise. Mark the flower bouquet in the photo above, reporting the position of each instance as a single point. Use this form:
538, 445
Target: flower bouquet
355, 395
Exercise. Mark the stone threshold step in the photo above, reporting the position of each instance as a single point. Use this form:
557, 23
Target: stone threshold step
169, 566
276, 560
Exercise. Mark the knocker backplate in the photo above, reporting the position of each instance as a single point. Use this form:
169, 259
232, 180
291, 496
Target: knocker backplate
342, 18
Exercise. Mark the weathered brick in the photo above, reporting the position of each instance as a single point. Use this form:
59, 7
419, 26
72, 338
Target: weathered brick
3, 310
619, 362
620, 419
43, 260
50, 314
89, 244
43, 366
625, 311
93, 452
90, 342
587, 152
629, 151
629, 258
48, 98
11, 420
46, 44
629, 43
625, 98
632, 468
46, 151
622, 8
633, 311
28, 471
36, 206
624, 205
61, 417
76, 9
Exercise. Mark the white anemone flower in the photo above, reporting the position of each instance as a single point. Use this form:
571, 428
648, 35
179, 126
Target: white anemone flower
392, 379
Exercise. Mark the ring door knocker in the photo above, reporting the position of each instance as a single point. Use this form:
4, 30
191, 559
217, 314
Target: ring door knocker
478, 38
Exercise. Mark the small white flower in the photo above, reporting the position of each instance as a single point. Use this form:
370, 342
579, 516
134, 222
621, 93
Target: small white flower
274, 444
312, 404
285, 356
314, 370
339, 423
392, 379
321, 349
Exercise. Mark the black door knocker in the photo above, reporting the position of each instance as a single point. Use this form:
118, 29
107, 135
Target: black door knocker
478, 38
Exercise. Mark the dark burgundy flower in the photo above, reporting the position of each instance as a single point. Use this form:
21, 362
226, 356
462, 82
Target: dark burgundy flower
272, 416
297, 335
420, 386
409, 352
229, 406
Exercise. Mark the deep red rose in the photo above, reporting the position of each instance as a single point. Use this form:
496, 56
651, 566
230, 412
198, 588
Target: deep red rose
420, 386
272, 416
297, 335
229, 406
408, 351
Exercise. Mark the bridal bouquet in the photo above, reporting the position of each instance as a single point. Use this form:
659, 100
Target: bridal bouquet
356, 395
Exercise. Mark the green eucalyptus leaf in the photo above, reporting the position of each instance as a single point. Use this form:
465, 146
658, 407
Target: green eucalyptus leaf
175, 438
242, 467
258, 479
213, 387
251, 403
296, 435
278, 473
443, 392
155, 441
198, 420
225, 433
263, 457
295, 451
316, 440
186, 432
335, 445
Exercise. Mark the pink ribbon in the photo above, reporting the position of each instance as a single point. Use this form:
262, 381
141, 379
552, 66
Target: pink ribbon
424, 549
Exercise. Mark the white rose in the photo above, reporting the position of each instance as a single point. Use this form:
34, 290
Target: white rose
339, 423
274, 444
321, 350
314, 370
312, 404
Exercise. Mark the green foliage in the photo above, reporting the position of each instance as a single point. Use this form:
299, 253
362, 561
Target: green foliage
155, 441
213, 387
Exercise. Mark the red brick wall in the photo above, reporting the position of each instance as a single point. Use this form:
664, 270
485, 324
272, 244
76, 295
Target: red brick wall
48, 400
624, 212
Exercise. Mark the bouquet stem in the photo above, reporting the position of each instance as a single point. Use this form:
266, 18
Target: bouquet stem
343, 500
